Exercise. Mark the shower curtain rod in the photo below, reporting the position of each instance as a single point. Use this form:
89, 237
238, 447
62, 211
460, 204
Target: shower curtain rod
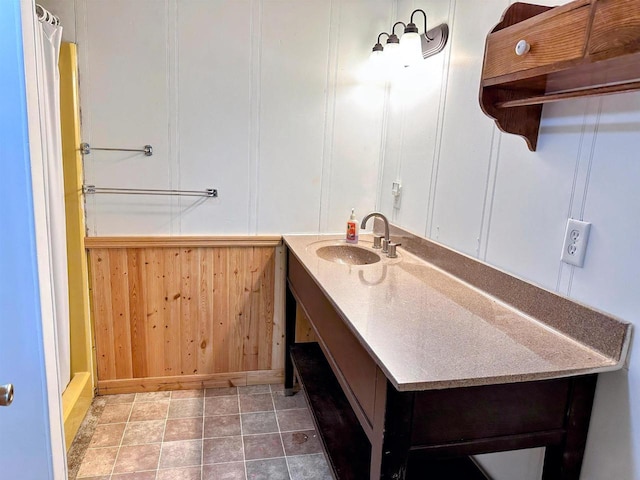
45, 15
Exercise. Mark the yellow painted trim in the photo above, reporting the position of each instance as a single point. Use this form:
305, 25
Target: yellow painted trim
77, 397
179, 241
76, 401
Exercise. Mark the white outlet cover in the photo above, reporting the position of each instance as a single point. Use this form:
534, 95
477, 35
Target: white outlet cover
576, 238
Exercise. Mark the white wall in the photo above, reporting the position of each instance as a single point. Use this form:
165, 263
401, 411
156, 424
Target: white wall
267, 101
261, 99
482, 192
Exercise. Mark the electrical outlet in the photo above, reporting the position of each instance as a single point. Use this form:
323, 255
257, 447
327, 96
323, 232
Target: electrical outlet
575, 242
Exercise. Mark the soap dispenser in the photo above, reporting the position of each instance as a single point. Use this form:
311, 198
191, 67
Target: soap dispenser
352, 228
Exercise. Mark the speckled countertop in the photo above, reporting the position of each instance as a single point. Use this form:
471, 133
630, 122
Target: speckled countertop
427, 329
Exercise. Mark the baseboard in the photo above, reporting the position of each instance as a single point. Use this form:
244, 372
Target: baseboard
190, 382
76, 400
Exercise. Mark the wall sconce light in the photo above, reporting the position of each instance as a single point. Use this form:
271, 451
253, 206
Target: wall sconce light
416, 47
391, 53
392, 48
377, 53
411, 47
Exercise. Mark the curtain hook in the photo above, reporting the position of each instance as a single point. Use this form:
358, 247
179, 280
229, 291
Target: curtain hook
41, 15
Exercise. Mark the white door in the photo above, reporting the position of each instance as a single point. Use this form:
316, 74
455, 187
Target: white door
30, 428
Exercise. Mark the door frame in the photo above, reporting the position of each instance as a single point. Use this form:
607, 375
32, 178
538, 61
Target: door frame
49, 340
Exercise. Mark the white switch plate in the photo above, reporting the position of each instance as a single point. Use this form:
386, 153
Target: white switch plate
575, 242
396, 190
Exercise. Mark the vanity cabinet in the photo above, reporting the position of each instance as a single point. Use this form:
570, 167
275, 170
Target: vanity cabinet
371, 429
351, 363
583, 48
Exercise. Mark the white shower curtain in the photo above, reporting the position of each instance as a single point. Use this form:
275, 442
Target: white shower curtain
48, 38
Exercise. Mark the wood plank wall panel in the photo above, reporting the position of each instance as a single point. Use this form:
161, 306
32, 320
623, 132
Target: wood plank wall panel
137, 313
205, 310
182, 312
101, 280
266, 296
153, 266
222, 322
304, 330
120, 311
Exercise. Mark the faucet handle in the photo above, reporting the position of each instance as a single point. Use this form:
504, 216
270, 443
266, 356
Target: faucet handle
392, 249
377, 241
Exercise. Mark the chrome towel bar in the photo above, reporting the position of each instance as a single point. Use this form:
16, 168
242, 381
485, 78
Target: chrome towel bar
92, 189
85, 148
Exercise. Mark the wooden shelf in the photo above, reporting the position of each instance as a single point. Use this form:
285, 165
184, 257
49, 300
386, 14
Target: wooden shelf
345, 443
577, 50
585, 92
447, 469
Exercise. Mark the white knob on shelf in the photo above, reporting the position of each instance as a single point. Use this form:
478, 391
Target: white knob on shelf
522, 47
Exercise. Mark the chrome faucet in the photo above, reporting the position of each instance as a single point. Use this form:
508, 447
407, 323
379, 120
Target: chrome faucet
376, 240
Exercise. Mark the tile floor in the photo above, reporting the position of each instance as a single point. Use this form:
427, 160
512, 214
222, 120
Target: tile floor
252, 433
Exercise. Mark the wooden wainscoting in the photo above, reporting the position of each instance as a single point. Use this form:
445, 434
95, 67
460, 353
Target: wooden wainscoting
204, 314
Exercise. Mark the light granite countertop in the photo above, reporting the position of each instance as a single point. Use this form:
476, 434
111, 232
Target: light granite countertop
427, 329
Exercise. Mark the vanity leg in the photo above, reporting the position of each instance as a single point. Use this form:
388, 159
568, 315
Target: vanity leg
290, 336
392, 431
564, 461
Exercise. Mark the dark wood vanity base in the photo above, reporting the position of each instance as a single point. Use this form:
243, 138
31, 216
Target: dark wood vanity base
371, 430
348, 448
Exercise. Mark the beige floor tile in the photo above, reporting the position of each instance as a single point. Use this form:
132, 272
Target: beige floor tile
150, 475
179, 394
261, 402
218, 392
115, 413
301, 443
108, 435
250, 389
156, 410
183, 429
224, 471
134, 458
138, 433
120, 398
185, 453
262, 422
262, 446
188, 407
152, 396
222, 426
268, 469
221, 406
294, 420
98, 461
221, 450
287, 403
189, 473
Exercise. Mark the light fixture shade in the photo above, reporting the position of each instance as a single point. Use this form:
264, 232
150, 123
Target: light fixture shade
376, 57
392, 48
411, 48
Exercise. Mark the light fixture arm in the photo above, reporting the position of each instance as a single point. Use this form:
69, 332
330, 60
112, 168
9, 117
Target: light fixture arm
393, 38
383, 33
378, 46
393, 29
412, 26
